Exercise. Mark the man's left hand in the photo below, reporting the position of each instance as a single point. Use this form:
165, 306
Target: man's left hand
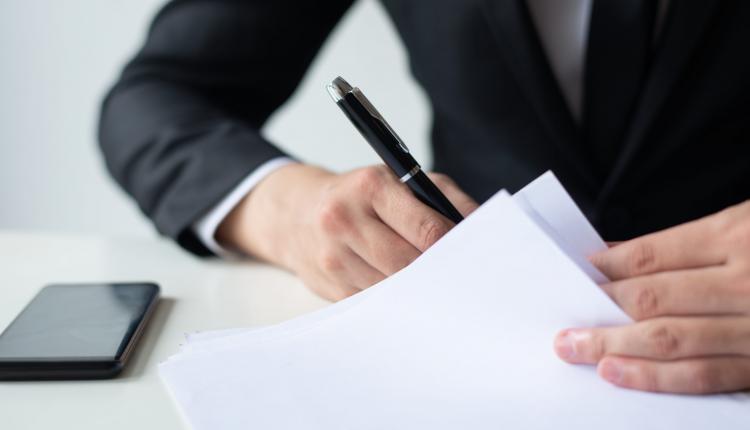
688, 289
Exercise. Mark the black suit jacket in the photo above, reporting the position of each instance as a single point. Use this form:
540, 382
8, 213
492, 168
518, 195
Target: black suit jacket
181, 127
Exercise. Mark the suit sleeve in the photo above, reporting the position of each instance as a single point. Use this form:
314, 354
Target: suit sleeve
181, 127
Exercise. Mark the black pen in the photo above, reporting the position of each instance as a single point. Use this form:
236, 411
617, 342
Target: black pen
390, 147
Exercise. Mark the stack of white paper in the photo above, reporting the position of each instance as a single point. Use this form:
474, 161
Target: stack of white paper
462, 338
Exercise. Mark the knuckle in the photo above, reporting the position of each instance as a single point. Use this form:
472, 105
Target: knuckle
663, 341
369, 180
430, 231
330, 262
332, 217
646, 302
641, 259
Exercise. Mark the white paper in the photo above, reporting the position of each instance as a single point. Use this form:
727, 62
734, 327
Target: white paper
546, 203
462, 338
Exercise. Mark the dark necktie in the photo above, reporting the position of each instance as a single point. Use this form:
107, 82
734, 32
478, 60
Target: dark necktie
619, 47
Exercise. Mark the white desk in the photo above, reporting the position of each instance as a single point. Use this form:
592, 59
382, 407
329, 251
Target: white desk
196, 295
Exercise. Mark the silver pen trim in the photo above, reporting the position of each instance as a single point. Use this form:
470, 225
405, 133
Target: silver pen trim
410, 174
334, 92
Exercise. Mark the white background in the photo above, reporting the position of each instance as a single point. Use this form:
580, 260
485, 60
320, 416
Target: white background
60, 57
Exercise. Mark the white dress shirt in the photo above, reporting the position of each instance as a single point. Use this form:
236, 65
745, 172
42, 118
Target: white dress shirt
562, 26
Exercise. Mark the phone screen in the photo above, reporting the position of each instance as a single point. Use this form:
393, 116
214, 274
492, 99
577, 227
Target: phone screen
78, 323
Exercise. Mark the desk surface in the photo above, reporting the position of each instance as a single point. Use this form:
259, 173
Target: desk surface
196, 295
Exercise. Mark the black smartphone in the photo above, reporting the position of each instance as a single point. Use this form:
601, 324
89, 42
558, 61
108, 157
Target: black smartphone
76, 331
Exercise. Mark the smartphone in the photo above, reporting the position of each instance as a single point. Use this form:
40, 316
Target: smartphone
76, 331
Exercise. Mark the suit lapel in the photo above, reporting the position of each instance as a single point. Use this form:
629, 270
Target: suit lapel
683, 30
517, 39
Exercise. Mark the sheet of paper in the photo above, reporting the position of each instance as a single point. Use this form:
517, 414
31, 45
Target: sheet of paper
460, 339
212, 340
546, 203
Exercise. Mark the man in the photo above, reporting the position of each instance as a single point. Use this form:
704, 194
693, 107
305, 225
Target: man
641, 107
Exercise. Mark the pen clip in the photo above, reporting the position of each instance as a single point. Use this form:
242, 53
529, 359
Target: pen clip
339, 88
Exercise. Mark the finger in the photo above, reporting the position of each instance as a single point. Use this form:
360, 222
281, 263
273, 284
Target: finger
693, 376
686, 246
658, 339
327, 288
382, 248
341, 291
359, 273
416, 222
341, 265
462, 201
710, 291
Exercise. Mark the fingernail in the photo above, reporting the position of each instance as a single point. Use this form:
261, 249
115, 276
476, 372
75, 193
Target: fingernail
564, 345
611, 370
571, 345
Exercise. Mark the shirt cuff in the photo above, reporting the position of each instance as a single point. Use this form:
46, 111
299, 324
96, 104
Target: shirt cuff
205, 227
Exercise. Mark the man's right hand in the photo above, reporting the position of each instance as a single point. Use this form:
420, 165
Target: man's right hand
339, 233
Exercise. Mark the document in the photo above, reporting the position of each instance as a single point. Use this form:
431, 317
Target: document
544, 200
461, 338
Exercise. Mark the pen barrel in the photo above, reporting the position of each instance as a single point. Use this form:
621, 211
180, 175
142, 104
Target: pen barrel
392, 151
379, 137
428, 193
